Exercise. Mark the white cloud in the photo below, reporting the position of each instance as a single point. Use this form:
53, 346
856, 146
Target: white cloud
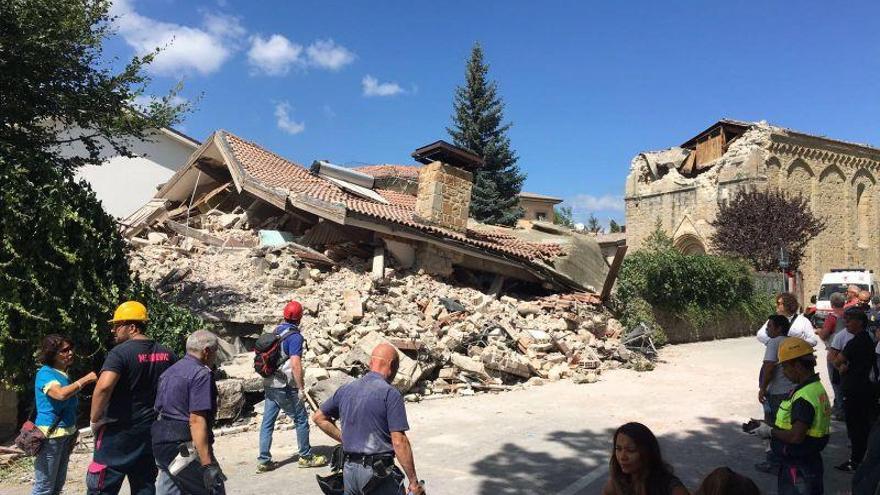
372, 87
184, 48
590, 203
273, 55
326, 54
285, 123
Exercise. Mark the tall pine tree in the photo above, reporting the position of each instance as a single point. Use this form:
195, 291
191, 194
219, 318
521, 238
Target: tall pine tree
478, 126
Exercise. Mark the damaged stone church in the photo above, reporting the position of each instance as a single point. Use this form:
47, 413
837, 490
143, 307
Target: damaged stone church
683, 186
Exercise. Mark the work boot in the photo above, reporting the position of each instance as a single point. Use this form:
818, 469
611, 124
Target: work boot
265, 467
314, 460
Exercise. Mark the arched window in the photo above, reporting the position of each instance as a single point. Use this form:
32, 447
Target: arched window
863, 212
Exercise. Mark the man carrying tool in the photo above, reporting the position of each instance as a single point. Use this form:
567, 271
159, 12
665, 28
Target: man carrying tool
374, 430
802, 425
187, 404
122, 406
281, 394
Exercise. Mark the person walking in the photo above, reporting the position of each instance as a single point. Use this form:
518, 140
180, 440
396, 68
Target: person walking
775, 386
186, 403
122, 406
855, 361
56, 406
285, 390
637, 466
801, 429
787, 305
834, 324
374, 427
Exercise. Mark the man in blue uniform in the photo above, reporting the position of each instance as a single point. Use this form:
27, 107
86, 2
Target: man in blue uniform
374, 428
187, 404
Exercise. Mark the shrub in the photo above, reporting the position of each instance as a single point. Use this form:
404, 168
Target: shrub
697, 288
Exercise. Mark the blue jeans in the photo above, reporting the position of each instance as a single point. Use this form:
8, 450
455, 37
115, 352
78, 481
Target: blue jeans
285, 399
50, 466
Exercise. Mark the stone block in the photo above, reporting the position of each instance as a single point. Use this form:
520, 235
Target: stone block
354, 307
230, 398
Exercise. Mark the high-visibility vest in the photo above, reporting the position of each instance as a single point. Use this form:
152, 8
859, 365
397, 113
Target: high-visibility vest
814, 393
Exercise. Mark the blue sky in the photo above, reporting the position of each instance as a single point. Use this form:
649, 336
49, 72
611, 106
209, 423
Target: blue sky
587, 84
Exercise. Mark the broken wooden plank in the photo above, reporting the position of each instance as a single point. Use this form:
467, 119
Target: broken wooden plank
200, 235
612, 273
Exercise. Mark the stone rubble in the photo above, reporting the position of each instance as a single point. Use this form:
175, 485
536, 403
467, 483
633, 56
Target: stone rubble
451, 339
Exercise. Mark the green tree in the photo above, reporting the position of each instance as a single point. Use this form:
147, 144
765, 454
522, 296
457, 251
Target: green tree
593, 224
562, 215
614, 227
62, 260
478, 125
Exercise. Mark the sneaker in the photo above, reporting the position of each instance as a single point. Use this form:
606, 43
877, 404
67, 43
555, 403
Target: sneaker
311, 461
265, 467
847, 467
767, 467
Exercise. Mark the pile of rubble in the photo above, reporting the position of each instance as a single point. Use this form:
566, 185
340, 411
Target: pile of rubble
451, 338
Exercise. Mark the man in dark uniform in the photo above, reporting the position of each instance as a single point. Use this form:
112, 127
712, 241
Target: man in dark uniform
187, 404
855, 362
374, 428
122, 406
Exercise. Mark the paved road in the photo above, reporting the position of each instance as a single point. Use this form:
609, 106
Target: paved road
556, 439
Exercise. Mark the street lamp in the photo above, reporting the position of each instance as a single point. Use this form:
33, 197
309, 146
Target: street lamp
784, 263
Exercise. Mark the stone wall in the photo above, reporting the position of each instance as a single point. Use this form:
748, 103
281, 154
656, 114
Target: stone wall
444, 196
838, 178
680, 331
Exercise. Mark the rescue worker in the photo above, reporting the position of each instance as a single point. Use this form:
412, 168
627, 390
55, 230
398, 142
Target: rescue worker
374, 429
285, 390
187, 405
122, 406
802, 426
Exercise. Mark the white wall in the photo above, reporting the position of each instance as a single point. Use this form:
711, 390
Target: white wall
125, 184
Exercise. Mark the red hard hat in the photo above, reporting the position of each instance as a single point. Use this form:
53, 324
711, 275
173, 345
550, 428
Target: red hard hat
293, 311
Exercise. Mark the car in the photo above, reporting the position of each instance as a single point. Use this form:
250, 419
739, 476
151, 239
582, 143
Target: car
838, 280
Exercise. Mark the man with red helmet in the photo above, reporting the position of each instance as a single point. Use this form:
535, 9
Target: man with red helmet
284, 390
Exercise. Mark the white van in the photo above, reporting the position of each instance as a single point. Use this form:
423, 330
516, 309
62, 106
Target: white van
837, 280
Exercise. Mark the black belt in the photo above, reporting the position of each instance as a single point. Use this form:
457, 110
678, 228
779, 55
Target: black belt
368, 459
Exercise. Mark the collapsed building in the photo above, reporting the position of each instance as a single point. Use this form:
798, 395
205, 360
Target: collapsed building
380, 253
682, 188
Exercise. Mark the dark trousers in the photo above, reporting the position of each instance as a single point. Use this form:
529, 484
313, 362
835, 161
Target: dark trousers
859, 411
773, 403
801, 476
120, 452
867, 478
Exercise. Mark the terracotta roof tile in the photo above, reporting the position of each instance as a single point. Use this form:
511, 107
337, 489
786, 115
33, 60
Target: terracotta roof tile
277, 172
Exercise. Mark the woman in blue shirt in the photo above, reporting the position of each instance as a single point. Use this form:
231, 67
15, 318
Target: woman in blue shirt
56, 413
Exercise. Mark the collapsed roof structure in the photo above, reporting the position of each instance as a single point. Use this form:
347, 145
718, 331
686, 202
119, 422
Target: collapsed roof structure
417, 214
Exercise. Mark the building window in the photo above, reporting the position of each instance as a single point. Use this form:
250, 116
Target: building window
863, 208
540, 216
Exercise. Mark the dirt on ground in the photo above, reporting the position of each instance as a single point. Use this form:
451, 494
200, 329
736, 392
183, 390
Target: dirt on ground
555, 438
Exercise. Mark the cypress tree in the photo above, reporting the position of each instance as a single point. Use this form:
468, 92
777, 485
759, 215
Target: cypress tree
478, 125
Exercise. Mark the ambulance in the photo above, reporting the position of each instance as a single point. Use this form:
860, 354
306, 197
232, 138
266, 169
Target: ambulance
837, 280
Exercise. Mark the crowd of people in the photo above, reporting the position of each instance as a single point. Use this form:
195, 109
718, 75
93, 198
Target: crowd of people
798, 408
152, 414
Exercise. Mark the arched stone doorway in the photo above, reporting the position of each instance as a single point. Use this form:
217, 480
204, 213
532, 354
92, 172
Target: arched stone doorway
690, 244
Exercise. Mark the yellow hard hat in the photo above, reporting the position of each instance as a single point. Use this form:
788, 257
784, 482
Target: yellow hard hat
793, 348
130, 311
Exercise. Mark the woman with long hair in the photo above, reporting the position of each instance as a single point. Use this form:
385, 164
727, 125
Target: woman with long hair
724, 481
637, 468
56, 404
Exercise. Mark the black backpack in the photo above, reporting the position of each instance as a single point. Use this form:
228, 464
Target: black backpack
268, 356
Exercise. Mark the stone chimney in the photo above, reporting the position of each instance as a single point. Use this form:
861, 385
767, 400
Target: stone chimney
445, 183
